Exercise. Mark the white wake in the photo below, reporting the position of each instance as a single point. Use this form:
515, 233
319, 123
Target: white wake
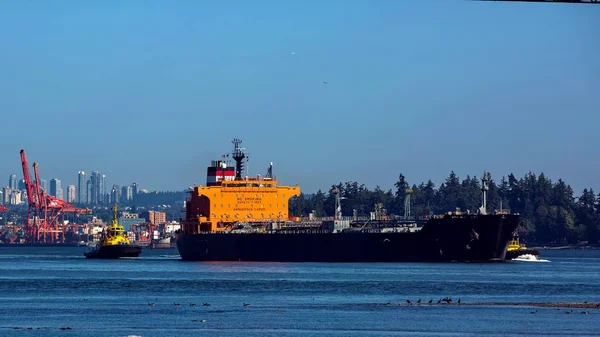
529, 258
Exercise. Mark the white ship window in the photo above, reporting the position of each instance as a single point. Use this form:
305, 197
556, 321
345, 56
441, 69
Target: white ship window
215, 205
228, 205
256, 195
221, 205
283, 206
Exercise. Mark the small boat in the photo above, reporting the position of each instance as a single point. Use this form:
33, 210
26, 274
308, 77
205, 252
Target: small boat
515, 250
114, 243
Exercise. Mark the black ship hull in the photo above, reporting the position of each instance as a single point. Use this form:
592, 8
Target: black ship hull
461, 238
114, 252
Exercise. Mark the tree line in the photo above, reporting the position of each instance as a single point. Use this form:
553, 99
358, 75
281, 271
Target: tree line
550, 212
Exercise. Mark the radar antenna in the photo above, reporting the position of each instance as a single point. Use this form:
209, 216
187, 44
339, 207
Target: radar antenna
270, 171
238, 155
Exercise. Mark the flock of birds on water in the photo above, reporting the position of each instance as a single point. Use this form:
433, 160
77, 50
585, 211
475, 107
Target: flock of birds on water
152, 304
447, 300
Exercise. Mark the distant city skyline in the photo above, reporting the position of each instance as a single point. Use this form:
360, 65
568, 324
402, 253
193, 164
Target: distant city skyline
329, 91
94, 190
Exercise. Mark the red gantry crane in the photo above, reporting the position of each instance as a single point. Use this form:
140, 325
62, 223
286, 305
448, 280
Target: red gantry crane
3, 209
45, 216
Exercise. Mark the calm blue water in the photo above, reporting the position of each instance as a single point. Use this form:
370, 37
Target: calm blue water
48, 288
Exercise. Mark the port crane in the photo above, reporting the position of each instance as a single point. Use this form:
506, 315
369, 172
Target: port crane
45, 214
3, 209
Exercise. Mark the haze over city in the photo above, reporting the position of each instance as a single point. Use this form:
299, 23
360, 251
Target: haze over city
150, 92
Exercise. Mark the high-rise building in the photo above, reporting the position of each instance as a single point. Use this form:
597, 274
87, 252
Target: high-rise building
6, 191
88, 191
21, 186
103, 194
81, 188
12, 181
71, 193
15, 197
55, 187
96, 192
134, 191
126, 193
115, 194
1, 197
44, 185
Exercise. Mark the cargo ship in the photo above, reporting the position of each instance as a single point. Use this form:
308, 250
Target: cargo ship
114, 243
240, 218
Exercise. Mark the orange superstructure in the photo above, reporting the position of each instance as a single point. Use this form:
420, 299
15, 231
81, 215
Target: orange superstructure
226, 201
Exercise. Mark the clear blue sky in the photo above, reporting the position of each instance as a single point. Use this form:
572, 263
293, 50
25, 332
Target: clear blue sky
151, 91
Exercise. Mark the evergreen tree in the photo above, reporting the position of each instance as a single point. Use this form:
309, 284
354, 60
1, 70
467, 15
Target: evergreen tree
450, 193
549, 211
401, 187
318, 204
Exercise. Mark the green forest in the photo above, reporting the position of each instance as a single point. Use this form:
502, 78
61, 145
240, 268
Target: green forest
550, 211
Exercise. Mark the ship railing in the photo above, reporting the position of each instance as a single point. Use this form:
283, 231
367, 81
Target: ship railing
244, 188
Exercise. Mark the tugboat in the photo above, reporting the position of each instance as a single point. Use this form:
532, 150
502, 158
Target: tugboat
515, 249
114, 243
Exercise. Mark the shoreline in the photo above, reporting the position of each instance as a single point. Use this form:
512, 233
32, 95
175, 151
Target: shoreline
565, 247
558, 305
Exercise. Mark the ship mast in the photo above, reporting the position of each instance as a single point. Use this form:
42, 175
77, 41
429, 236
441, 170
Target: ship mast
115, 219
338, 204
408, 192
484, 188
238, 156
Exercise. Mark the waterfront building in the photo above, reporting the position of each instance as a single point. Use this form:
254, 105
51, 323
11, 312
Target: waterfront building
155, 217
